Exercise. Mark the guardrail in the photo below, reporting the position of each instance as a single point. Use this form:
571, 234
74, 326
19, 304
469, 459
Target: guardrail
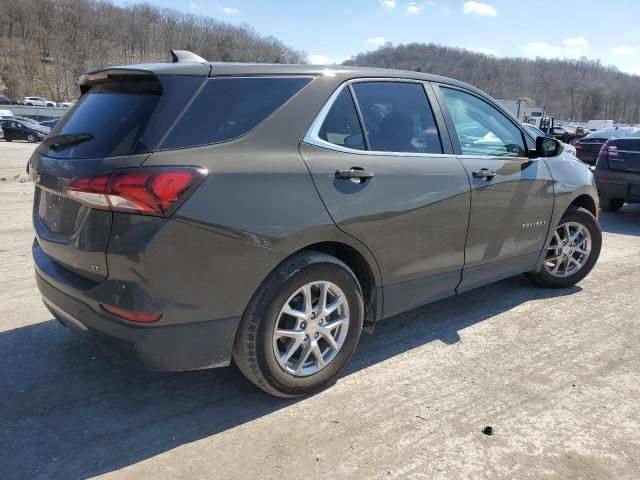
19, 110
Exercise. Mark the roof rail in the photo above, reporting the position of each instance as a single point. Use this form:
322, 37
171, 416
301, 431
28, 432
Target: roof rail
185, 56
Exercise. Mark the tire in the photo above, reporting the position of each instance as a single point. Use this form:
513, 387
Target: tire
610, 204
29, 104
50, 105
573, 216
31, 138
256, 349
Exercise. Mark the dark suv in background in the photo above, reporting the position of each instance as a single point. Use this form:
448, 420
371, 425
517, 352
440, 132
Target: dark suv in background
192, 212
588, 147
618, 171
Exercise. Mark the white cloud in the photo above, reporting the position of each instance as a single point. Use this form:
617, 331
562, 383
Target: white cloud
540, 49
481, 9
624, 50
377, 40
486, 51
319, 59
576, 41
546, 50
388, 3
413, 8
229, 10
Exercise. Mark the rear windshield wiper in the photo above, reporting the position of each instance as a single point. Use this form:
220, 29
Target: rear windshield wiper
65, 140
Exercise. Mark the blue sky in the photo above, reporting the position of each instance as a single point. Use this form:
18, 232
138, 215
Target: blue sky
332, 30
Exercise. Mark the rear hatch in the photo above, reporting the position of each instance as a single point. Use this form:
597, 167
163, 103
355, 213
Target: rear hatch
120, 118
587, 148
624, 154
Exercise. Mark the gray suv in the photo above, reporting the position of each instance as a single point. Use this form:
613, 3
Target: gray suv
191, 213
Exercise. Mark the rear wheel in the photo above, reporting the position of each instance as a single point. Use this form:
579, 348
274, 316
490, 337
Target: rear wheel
31, 138
301, 327
572, 252
610, 204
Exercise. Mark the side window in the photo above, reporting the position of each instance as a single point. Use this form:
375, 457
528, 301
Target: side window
341, 125
397, 117
227, 108
481, 128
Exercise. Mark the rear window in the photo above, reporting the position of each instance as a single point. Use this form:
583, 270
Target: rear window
227, 108
124, 117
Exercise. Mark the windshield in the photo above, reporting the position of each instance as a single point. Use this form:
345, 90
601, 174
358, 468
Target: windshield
123, 117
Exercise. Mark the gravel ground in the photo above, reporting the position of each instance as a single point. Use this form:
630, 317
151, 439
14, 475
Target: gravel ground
555, 373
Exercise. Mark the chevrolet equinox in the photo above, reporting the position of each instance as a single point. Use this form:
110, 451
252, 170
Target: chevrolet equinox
190, 213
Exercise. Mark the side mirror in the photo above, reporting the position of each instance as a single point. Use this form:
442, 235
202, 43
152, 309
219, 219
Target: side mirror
547, 147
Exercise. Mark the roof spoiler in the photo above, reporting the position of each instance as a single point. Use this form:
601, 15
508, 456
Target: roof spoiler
185, 56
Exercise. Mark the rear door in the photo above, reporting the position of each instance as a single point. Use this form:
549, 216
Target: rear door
511, 195
387, 175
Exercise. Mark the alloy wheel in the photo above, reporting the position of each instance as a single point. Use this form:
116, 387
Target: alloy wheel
569, 250
311, 328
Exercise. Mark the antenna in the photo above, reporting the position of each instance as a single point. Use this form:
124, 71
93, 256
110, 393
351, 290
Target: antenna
185, 56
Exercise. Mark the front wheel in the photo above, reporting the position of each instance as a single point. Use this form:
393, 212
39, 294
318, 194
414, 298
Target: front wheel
302, 326
31, 138
573, 251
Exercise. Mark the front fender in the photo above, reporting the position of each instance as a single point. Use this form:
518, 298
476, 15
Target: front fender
572, 179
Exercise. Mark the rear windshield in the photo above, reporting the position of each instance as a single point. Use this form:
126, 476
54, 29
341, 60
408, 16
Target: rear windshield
124, 117
132, 116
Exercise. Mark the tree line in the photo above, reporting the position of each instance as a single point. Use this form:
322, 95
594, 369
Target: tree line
576, 89
45, 45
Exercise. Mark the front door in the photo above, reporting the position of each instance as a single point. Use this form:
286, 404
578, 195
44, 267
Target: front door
511, 194
378, 162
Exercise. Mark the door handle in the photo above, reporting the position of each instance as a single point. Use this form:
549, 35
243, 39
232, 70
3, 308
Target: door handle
355, 174
484, 174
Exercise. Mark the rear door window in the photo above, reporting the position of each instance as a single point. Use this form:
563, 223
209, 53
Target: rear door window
228, 108
397, 117
341, 125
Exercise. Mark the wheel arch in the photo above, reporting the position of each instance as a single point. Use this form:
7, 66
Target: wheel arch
585, 201
366, 273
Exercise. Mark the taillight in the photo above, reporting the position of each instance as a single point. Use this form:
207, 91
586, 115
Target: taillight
604, 151
612, 151
578, 146
150, 190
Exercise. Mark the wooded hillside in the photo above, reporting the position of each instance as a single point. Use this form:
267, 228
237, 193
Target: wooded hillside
570, 89
45, 45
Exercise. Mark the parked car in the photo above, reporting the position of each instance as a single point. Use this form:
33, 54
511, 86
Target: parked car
38, 102
539, 133
50, 123
1, 131
5, 101
617, 171
269, 222
587, 148
40, 118
20, 130
67, 104
563, 133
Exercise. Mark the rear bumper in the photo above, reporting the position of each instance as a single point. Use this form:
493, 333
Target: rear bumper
616, 184
181, 347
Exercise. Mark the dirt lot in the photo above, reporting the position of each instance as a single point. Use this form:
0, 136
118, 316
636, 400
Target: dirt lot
555, 373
